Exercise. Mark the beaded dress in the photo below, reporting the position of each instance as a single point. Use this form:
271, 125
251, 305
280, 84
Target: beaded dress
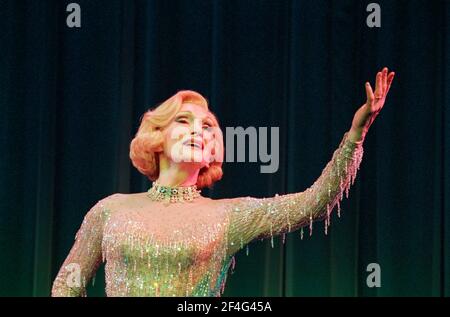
186, 249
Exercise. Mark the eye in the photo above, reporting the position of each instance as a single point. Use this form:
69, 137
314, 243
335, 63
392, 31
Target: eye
182, 120
207, 126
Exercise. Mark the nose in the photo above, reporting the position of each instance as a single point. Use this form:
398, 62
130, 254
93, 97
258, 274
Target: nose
196, 129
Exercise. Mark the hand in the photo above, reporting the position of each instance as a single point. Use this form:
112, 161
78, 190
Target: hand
367, 113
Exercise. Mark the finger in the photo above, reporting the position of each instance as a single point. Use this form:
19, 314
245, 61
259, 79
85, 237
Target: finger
369, 92
389, 81
385, 75
378, 92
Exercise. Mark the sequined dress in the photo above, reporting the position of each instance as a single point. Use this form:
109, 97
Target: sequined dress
186, 249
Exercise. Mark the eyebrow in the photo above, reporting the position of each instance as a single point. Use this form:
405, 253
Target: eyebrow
184, 112
207, 117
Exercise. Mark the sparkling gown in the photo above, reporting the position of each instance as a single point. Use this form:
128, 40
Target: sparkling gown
186, 249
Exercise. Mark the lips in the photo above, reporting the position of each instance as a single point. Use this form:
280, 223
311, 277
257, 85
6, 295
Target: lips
196, 143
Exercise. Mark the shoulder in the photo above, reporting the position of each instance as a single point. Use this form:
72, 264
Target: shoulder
103, 207
120, 198
127, 201
109, 201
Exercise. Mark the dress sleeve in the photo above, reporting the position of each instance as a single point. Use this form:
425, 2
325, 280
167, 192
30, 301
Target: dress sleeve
85, 256
258, 218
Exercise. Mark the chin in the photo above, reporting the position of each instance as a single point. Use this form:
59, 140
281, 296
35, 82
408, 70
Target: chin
188, 159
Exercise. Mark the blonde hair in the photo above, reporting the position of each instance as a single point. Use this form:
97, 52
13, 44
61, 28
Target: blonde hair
149, 137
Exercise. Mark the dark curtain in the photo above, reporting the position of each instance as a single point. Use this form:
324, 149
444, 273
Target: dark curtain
71, 100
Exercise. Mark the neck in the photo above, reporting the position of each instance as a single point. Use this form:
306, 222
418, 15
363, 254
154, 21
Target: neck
177, 174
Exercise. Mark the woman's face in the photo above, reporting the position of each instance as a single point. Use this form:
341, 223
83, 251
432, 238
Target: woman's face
193, 136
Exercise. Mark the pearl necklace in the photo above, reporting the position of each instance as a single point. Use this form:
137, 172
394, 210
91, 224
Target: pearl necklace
172, 194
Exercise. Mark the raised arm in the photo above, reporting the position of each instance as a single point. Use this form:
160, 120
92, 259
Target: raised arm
259, 218
85, 255
252, 218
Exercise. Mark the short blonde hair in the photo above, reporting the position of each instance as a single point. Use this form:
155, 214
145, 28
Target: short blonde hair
149, 137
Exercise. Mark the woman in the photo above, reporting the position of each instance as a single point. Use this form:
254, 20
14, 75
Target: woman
171, 241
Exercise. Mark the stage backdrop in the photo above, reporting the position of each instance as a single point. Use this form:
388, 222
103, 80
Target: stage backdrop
71, 100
